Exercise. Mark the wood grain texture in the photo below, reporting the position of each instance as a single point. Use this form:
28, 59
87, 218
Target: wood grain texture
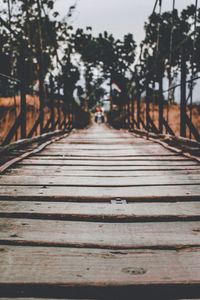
109, 168
62, 172
102, 194
62, 236
78, 267
119, 158
59, 162
102, 182
154, 235
106, 212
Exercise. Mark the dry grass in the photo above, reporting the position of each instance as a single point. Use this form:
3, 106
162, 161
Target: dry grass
172, 115
10, 110
10, 102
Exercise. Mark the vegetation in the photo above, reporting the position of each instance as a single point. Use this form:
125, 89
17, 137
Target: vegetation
35, 39
168, 35
48, 55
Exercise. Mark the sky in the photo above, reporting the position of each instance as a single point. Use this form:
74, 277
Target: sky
116, 16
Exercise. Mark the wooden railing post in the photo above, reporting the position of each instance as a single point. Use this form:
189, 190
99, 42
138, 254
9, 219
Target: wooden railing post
66, 101
138, 105
52, 103
132, 112
183, 95
127, 115
65, 114
23, 91
147, 102
41, 65
59, 115
160, 102
41, 99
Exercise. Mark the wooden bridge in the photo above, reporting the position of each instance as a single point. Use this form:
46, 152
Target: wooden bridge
99, 214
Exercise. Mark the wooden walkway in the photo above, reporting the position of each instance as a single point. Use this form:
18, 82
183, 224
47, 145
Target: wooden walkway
101, 214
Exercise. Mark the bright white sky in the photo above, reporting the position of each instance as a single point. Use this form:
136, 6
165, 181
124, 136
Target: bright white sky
116, 16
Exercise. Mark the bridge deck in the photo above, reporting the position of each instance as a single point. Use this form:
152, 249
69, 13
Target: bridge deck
103, 214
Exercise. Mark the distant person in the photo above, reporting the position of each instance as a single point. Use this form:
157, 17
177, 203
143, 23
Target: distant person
99, 115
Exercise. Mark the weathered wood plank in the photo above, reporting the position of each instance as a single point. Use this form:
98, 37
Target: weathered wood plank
105, 212
105, 141
140, 193
99, 181
134, 149
152, 235
135, 152
96, 173
78, 267
84, 164
66, 146
107, 147
72, 162
107, 168
131, 143
106, 158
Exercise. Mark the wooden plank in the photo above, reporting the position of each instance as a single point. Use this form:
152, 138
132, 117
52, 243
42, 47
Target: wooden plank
91, 147
109, 140
140, 193
105, 212
99, 181
152, 235
165, 233
104, 153
100, 142
108, 168
77, 268
132, 141
107, 158
72, 162
39, 148
96, 173
107, 146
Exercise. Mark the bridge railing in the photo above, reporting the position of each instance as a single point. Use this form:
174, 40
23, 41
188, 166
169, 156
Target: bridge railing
151, 110
154, 112
149, 104
24, 115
